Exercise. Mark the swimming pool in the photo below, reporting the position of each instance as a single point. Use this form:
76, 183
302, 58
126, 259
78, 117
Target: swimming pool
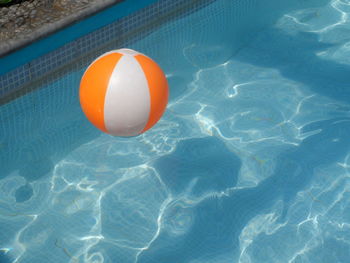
248, 164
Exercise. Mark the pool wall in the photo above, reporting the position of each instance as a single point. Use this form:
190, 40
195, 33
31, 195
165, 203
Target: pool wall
129, 20
126, 23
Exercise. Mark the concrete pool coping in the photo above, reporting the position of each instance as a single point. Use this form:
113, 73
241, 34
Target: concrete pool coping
13, 45
59, 38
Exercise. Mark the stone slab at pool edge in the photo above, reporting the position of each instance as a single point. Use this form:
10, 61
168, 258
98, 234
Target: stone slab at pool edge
8, 46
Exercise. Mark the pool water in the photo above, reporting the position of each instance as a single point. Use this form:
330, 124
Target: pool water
249, 164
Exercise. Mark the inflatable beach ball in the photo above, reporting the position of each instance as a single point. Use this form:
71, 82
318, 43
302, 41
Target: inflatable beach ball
123, 92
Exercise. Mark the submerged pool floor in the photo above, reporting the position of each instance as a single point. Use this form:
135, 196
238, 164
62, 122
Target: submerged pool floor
250, 162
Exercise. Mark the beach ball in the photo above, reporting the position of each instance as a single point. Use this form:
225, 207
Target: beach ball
123, 92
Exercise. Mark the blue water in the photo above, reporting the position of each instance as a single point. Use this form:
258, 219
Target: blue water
249, 164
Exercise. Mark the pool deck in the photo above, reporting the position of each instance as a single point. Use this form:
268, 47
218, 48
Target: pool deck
49, 19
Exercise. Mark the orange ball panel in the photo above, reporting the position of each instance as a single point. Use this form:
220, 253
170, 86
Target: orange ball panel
93, 88
158, 88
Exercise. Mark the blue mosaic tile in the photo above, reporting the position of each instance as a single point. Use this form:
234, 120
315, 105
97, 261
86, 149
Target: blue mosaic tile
13, 81
53, 60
